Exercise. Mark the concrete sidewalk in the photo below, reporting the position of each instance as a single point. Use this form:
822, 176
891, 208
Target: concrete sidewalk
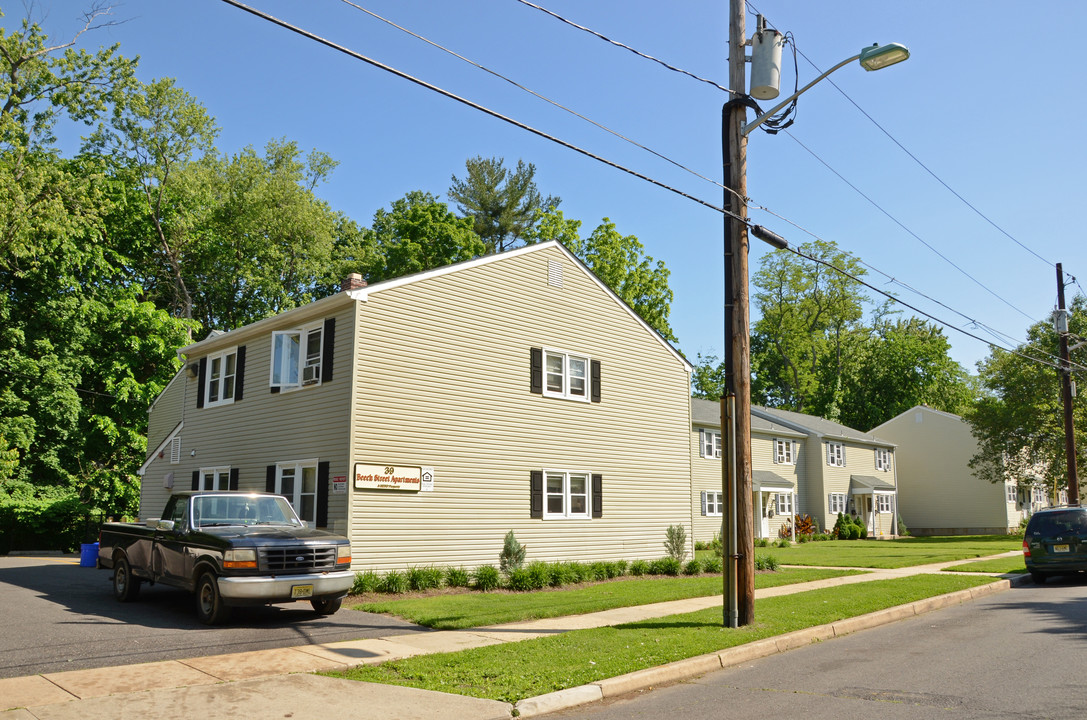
277, 683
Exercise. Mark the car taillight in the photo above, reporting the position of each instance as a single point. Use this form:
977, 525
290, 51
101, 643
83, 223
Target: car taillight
1026, 548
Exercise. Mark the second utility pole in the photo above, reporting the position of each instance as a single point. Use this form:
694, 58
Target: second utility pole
1065, 373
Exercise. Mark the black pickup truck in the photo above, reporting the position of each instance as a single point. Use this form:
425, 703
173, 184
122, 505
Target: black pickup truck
230, 549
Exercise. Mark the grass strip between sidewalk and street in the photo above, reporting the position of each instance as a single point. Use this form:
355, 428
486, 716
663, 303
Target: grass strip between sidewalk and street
897, 553
1012, 564
468, 610
513, 671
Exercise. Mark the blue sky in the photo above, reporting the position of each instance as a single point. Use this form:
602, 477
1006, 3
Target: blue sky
991, 102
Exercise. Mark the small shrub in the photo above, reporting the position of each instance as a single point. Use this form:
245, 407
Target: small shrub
665, 566
804, 538
393, 583
693, 567
519, 579
539, 574
639, 568
717, 546
561, 574
581, 571
783, 543
486, 578
863, 529
366, 581
456, 577
902, 529
675, 542
762, 542
512, 556
701, 545
711, 564
426, 578
617, 568
599, 571
766, 562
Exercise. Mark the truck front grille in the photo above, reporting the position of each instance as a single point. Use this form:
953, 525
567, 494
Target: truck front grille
294, 559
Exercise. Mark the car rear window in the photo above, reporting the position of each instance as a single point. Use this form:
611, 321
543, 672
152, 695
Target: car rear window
1057, 523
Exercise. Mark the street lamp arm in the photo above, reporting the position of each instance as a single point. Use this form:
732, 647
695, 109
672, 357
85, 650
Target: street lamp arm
762, 118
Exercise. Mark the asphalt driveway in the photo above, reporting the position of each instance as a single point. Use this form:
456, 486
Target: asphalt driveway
59, 616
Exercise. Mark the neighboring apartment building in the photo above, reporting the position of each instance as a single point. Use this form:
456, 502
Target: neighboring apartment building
842, 470
938, 493
426, 416
777, 470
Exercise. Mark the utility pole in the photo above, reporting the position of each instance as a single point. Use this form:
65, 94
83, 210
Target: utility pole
737, 406
1065, 373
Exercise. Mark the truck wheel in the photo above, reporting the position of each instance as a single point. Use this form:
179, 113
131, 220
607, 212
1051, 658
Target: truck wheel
210, 608
326, 605
126, 587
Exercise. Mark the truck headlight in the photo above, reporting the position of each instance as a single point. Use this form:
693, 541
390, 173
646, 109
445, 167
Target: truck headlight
343, 554
240, 559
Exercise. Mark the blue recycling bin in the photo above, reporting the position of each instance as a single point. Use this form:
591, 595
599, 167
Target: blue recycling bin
88, 556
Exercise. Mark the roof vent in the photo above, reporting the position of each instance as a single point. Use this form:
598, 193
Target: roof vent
554, 273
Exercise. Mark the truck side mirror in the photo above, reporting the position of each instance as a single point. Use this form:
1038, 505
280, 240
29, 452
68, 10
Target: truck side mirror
165, 525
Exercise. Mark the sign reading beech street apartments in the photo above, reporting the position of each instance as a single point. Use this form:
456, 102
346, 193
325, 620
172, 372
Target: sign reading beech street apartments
387, 477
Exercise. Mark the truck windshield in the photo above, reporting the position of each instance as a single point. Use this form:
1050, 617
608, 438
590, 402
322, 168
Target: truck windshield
224, 510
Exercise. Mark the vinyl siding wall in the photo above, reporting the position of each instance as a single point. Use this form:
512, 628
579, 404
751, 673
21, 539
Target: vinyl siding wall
443, 380
162, 418
762, 458
705, 476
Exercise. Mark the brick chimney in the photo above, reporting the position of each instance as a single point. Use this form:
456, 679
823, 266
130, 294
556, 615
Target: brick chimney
353, 281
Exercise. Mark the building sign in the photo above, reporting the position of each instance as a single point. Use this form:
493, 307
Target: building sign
428, 479
339, 484
387, 477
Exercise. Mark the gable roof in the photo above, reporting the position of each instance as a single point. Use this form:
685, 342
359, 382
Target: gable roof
920, 408
817, 426
320, 307
708, 412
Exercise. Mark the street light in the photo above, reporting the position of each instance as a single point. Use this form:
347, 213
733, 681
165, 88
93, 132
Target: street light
736, 402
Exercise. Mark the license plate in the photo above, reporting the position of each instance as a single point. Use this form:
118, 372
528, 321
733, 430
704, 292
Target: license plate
1060, 548
301, 591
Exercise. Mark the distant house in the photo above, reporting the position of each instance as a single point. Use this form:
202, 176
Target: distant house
426, 416
938, 493
842, 470
777, 469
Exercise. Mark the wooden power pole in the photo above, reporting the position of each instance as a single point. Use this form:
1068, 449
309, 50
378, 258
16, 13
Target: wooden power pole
1065, 373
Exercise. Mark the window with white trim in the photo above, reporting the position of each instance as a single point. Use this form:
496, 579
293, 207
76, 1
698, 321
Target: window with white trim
835, 454
883, 503
297, 481
784, 503
1011, 493
219, 378
836, 502
296, 357
1037, 495
711, 444
784, 452
1062, 498
215, 478
883, 459
712, 503
566, 494
566, 375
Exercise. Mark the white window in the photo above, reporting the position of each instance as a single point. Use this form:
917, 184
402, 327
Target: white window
296, 357
836, 503
835, 454
883, 503
1063, 497
566, 376
219, 380
784, 503
1011, 493
711, 444
175, 450
297, 481
883, 459
215, 478
566, 495
784, 452
1037, 495
712, 502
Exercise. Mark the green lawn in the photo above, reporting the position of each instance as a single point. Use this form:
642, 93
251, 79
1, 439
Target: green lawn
451, 612
1013, 564
513, 671
902, 552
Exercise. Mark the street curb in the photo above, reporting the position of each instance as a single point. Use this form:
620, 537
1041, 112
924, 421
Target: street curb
699, 665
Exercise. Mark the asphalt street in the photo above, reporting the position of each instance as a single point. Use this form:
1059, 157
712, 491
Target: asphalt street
1014, 654
59, 616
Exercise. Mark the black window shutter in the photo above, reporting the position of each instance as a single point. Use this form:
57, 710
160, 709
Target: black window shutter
328, 342
195, 479
536, 371
598, 496
594, 376
233, 479
239, 373
535, 494
201, 377
270, 479
322, 494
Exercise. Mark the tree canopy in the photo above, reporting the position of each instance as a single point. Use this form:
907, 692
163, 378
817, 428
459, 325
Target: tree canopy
501, 204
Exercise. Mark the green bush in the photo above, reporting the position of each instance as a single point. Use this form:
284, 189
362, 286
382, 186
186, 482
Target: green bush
486, 578
711, 564
675, 542
539, 574
366, 581
693, 567
804, 538
762, 542
783, 543
44, 518
393, 583
512, 556
639, 568
426, 578
701, 545
519, 579
665, 566
902, 529
562, 574
581, 572
456, 577
617, 568
599, 570
766, 562
717, 546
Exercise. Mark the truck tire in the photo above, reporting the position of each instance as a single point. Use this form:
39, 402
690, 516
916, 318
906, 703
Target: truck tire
326, 605
126, 587
210, 608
